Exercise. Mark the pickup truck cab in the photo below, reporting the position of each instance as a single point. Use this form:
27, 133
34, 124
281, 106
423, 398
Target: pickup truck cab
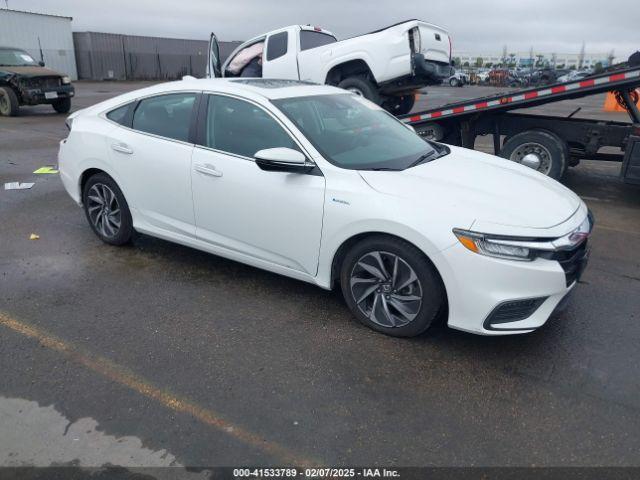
385, 66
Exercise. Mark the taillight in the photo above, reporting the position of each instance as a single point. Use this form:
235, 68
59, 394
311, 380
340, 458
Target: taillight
415, 40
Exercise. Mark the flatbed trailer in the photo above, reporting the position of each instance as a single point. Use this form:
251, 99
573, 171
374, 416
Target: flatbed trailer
549, 144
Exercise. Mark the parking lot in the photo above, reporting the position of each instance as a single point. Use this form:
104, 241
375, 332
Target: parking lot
157, 354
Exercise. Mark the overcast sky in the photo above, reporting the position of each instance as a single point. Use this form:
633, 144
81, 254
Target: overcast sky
476, 26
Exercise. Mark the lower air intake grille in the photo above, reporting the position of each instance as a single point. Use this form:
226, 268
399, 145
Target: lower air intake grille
513, 311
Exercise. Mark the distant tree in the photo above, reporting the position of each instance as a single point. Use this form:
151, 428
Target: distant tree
456, 62
598, 67
540, 61
512, 60
489, 65
560, 66
479, 62
572, 67
465, 64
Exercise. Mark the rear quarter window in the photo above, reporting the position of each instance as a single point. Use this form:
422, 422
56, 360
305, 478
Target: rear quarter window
277, 45
120, 114
311, 39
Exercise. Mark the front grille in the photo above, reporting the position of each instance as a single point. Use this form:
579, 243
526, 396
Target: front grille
513, 311
44, 83
573, 261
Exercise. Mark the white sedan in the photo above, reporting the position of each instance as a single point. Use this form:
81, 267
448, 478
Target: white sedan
318, 184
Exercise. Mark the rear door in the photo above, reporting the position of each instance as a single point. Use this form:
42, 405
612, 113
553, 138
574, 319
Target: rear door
213, 60
152, 157
280, 58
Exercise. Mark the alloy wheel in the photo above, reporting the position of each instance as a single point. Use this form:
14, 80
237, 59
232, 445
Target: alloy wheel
386, 289
104, 210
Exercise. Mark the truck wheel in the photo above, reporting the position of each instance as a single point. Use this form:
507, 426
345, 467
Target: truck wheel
400, 105
454, 82
62, 106
362, 87
8, 102
538, 149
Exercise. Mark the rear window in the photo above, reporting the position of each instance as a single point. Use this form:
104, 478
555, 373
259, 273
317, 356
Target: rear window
310, 39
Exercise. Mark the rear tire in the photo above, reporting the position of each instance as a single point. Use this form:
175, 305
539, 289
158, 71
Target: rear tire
454, 82
107, 210
391, 287
545, 148
361, 86
400, 105
9, 105
62, 106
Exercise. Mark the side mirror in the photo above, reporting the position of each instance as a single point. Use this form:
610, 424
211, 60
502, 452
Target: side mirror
41, 63
282, 160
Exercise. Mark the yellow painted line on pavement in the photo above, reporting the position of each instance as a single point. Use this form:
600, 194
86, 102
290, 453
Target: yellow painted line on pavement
123, 376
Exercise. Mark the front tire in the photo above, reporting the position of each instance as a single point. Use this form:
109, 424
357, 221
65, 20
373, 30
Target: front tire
8, 102
361, 86
62, 106
107, 210
391, 287
454, 82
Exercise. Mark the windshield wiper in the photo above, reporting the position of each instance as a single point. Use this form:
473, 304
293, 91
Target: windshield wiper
422, 158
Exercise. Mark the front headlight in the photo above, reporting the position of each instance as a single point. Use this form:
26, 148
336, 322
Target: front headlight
493, 247
524, 249
66, 80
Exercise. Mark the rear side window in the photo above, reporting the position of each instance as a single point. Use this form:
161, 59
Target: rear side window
310, 39
242, 128
119, 115
277, 45
165, 115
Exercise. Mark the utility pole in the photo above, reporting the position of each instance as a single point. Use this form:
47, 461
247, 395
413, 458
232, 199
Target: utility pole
581, 57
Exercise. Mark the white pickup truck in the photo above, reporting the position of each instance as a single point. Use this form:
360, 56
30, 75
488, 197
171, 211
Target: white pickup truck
385, 66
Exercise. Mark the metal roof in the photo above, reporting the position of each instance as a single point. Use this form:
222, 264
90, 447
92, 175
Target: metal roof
34, 13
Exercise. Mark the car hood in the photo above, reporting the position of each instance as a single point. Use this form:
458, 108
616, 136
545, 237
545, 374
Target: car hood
35, 71
488, 189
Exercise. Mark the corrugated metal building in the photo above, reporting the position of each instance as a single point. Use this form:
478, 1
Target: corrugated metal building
103, 56
44, 37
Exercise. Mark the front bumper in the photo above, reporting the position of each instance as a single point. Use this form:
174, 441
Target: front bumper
493, 296
37, 96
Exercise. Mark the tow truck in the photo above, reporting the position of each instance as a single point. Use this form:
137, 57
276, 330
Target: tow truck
549, 144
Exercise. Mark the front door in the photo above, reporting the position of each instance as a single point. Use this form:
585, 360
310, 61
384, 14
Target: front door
275, 217
213, 58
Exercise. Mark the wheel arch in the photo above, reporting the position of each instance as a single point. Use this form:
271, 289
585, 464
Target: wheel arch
348, 68
348, 243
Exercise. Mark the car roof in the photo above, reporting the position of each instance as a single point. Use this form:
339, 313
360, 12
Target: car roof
257, 89
263, 87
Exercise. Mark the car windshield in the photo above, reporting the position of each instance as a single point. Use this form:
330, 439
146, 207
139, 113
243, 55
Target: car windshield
16, 58
355, 134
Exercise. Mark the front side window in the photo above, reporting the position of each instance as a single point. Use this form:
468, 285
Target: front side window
242, 128
277, 45
356, 134
165, 115
15, 58
312, 39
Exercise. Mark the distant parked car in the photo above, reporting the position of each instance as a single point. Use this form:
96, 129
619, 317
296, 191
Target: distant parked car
458, 79
573, 75
23, 81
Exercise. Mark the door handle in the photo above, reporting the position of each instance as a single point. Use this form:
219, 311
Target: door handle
122, 148
208, 170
